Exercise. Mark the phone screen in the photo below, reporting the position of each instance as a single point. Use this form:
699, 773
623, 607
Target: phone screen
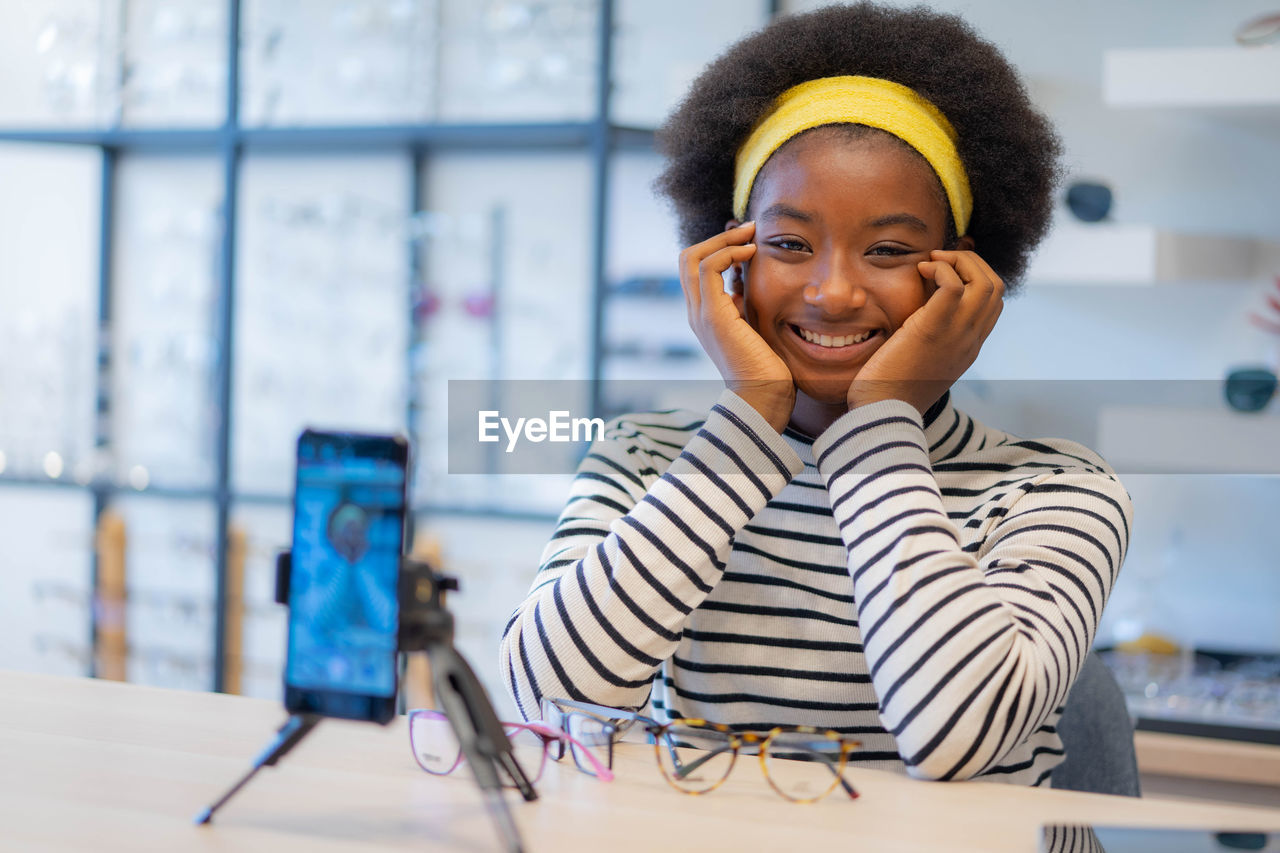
348, 536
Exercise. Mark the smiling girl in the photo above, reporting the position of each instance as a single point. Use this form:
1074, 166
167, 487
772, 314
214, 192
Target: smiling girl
835, 544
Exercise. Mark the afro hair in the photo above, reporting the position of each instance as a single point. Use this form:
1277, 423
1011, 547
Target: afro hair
1009, 149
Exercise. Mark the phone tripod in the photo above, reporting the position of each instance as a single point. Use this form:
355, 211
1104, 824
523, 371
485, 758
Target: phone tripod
425, 625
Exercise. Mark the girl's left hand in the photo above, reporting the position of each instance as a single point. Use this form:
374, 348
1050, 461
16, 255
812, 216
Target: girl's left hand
940, 340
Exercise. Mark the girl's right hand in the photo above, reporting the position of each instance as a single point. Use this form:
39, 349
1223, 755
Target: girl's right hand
751, 369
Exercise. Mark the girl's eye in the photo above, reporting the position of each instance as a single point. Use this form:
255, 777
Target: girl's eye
890, 250
788, 245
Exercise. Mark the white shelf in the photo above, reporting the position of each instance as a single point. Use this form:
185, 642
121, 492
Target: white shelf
1114, 253
1237, 78
1180, 440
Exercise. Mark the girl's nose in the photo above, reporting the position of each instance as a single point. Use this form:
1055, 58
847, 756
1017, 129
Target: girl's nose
836, 291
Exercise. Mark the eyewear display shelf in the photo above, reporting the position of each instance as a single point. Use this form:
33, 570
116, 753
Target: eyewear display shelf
229, 142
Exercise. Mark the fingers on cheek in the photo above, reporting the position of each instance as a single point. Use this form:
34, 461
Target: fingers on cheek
981, 293
935, 276
947, 277
995, 296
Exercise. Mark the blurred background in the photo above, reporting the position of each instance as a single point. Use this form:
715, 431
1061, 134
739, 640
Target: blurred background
222, 221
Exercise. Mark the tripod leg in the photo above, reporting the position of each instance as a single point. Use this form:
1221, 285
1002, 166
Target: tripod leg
465, 703
483, 740
501, 815
294, 729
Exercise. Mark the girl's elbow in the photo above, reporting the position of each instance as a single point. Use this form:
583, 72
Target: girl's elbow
940, 762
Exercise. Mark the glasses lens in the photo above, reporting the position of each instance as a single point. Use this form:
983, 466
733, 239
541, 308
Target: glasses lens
592, 733
1250, 389
525, 743
803, 767
433, 742
695, 760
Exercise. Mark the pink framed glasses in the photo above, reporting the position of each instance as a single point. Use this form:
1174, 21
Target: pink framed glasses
436, 748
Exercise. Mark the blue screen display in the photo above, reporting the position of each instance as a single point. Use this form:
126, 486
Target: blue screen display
347, 539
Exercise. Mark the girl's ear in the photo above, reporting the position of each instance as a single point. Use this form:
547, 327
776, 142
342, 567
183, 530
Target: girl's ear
965, 244
738, 289
737, 279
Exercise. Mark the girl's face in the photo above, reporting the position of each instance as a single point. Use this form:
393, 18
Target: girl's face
840, 226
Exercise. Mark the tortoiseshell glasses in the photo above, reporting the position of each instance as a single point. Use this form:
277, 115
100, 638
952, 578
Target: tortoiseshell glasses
802, 763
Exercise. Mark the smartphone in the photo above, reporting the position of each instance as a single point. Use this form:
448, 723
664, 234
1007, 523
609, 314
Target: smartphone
344, 608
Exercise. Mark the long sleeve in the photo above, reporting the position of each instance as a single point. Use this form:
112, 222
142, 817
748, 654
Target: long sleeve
642, 541
970, 650
1070, 838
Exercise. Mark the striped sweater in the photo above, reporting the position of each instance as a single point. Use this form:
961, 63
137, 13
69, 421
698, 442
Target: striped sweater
930, 588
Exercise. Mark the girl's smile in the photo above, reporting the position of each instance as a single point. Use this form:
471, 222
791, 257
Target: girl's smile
839, 345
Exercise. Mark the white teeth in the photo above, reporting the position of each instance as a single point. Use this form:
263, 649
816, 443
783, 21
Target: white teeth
837, 341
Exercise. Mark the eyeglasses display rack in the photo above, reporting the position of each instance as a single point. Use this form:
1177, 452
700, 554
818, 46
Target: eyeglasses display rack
205, 101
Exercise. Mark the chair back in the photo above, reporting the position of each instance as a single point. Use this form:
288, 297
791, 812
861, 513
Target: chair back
1097, 733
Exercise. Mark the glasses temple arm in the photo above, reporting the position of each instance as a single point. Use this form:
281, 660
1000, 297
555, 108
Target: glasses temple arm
603, 711
683, 770
826, 760
549, 734
602, 772
844, 783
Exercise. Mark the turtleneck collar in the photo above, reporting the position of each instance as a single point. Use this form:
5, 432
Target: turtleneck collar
947, 430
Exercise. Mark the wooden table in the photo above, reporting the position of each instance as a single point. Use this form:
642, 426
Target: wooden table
95, 765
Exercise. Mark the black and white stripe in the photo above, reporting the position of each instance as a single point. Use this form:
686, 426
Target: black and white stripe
931, 588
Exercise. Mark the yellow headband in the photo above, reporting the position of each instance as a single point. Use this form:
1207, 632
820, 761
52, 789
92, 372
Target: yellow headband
871, 101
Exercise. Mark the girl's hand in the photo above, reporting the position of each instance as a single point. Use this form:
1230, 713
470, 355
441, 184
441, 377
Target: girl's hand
940, 340
750, 368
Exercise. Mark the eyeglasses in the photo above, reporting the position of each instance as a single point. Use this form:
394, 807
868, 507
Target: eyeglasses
801, 763
558, 712
436, 749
